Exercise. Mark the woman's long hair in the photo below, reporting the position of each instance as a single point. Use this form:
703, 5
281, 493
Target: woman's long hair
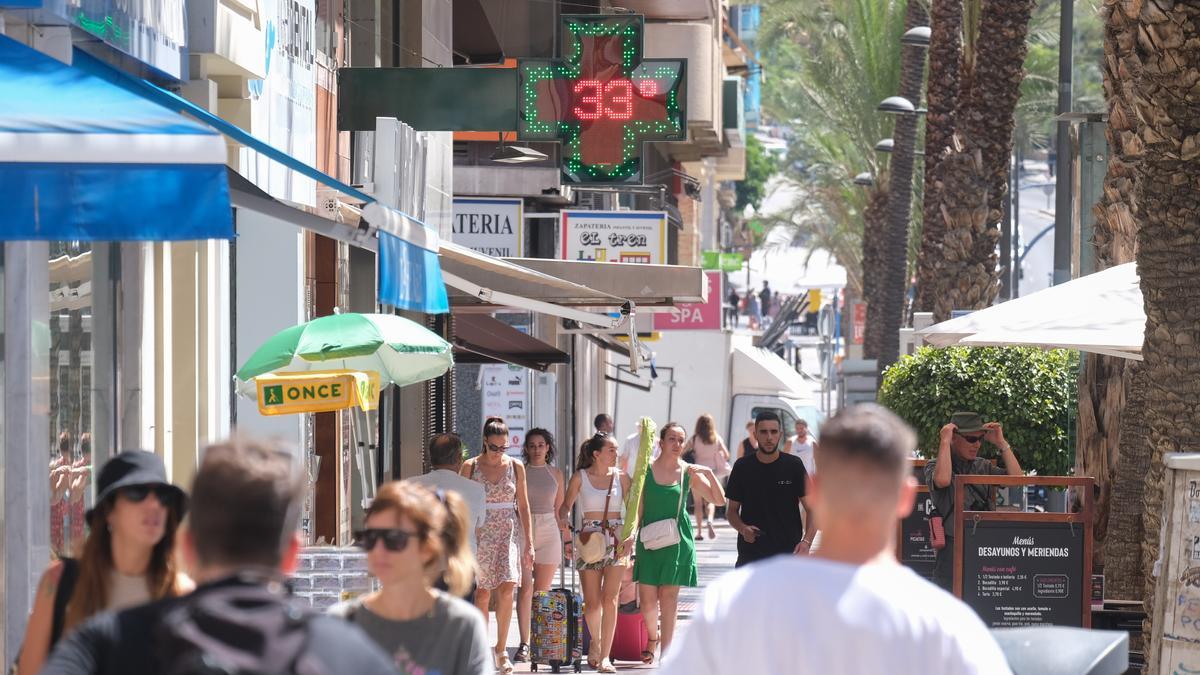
706, 429
551, 449
587, 451
91, 594
494, 426
441, 521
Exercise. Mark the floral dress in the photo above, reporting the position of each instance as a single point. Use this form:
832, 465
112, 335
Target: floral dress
499, 550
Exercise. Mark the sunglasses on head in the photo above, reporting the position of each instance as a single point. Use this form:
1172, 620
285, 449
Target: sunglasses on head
138, 493
393, 540
969, 439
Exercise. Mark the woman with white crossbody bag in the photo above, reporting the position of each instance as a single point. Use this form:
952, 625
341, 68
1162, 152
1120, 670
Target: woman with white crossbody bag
666, 551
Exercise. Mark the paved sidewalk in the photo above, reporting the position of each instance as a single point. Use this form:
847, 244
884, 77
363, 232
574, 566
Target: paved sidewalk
713, 558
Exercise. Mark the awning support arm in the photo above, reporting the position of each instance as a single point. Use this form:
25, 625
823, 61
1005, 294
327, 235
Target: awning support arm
496, 297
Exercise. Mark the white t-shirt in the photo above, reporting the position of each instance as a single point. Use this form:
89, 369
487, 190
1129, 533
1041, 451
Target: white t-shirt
629, 450
471, 491
807, 615
805, 452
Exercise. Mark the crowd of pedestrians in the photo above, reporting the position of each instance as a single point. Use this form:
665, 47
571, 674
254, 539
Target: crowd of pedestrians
484, 534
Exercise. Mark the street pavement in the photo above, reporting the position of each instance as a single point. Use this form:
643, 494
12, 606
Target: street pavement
713, 558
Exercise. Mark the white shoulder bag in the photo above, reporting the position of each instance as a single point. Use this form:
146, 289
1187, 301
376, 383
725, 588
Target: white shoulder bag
665, 532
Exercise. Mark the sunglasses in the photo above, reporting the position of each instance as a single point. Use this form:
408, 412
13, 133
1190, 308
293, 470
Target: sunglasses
497, 448
138, 493
393, 540
970, 439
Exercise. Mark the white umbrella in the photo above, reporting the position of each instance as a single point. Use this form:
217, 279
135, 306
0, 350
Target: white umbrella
1100, 313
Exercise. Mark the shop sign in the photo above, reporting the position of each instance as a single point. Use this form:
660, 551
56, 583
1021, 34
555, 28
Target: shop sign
317, 391
859, 326
283, 105
491, 226
725, 262
695, 315
154, 33
615, 236
506, 395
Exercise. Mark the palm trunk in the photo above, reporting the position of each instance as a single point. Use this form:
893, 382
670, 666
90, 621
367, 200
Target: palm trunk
873, 256
981, 160
945, 71
1108, 410
893, 282
1168, 217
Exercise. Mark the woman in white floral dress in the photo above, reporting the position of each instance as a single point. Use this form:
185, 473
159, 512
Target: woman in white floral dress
506, 538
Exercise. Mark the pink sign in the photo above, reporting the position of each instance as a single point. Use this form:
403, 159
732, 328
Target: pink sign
697, 315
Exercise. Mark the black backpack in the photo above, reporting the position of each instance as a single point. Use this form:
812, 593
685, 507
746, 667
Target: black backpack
241, 629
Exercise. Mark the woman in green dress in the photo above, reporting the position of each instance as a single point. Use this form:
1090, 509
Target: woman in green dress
660, 573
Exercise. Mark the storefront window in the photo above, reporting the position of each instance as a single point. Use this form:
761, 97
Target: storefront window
74, 278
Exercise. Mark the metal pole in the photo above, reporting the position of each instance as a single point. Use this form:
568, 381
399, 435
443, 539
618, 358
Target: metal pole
1062, 206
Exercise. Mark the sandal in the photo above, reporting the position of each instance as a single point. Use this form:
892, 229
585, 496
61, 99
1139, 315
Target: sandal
606, 666
712, 534
594, 665
522, 653
648, 652
503, 665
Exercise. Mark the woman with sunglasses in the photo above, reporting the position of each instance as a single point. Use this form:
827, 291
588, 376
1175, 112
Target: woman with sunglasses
600, 488
958, 454
128, 557
505, 542
545, 498
414, 537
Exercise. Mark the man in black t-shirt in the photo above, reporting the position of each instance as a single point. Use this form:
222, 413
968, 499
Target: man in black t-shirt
765, 493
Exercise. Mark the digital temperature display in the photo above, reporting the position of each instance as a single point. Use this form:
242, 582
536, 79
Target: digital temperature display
602, 100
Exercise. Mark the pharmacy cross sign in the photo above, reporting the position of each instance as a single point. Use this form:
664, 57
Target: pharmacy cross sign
602, 100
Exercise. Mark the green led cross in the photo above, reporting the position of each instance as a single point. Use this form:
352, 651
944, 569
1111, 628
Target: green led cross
602, 101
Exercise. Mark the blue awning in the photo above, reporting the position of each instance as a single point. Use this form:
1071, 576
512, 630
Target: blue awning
81, 159
410, 275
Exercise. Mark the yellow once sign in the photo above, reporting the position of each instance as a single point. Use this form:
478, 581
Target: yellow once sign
317, 391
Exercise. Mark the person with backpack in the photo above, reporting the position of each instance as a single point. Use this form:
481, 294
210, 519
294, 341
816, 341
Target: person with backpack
127, 559
241, 543
413, 537
666, 550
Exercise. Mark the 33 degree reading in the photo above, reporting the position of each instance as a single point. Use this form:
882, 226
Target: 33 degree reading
612, 100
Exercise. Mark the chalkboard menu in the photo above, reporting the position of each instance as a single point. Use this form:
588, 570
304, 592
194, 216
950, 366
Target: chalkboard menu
1026, 572
915, 550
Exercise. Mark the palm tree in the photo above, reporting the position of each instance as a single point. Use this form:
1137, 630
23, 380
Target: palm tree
831, 62
971, 178
1111, 445
883, 330
1168, 217
945, 71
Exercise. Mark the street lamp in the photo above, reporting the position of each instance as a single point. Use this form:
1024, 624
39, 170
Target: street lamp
898, 105
888, 145
917, 36
864, 179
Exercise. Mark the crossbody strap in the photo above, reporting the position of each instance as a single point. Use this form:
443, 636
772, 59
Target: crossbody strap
607, 497
683, 485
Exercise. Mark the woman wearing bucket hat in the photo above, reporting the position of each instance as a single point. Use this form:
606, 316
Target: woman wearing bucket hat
128, 557
958, 454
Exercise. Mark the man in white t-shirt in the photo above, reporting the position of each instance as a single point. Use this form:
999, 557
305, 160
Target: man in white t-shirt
446, 458
801, 445
851, 607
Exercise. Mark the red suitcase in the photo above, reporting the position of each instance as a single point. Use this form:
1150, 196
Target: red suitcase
630, 638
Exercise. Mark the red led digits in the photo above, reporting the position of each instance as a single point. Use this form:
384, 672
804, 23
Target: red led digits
612, 100
595, 99
620, 97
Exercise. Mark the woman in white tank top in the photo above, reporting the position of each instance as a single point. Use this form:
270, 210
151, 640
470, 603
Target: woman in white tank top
598, 483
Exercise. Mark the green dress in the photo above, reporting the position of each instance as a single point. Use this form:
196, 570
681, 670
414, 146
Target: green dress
673, 565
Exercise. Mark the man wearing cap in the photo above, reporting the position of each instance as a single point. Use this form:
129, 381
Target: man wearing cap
958, 454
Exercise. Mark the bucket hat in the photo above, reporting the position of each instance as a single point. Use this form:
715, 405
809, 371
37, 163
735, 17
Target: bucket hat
134, 467
967, 422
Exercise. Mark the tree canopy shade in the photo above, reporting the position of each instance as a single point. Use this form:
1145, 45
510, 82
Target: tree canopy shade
760, 166
1029, 391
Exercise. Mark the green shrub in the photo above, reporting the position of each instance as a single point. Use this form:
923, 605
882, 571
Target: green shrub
1031, 392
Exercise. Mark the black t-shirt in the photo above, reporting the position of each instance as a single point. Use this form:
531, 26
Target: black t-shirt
769, 495
125, 643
